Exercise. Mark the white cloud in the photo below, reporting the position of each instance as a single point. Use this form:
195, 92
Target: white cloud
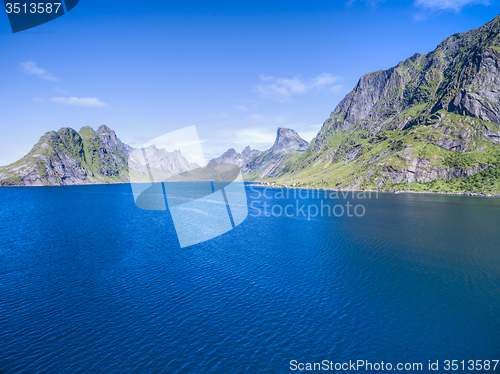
80, 101
455, 5
284, 88
241, 107
30, 68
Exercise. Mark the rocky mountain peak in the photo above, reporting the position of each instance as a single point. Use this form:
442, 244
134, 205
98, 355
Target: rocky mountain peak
103, 129
248, 153
49, 135
288, 140
461, 76
68, 157
229, 157
235, 158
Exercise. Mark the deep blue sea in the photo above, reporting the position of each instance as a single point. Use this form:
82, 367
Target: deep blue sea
89, 283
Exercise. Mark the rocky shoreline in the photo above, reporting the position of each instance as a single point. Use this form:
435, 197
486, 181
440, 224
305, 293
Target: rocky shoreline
469, 194
392, 191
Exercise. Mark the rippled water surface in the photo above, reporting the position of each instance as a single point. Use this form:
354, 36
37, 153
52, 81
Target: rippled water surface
89, 283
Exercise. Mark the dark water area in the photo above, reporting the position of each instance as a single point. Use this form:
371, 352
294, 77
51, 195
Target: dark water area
89, 283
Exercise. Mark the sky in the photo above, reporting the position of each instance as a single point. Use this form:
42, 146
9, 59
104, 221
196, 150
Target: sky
236, 69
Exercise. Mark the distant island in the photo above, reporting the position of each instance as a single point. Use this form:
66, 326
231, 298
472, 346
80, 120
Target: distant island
429, 124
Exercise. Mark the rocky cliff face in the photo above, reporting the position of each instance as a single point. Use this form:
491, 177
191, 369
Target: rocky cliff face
434, 116
288, 140
68, 157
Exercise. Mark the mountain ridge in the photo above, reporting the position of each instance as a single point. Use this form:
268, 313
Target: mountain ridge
68, 157
432, 122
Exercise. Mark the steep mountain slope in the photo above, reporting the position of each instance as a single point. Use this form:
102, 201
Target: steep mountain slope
67, 157
288, 144
430, 119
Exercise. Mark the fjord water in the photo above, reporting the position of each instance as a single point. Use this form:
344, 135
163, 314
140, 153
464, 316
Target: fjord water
89, 283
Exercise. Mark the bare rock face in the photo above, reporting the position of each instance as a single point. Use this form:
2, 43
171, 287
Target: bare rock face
288, 140
433, 116
109, 139
460, 76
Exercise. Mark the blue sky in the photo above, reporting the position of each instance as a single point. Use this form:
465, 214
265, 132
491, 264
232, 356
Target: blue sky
236, 69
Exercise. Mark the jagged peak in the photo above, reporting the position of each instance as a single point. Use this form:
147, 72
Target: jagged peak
103, 129
230, 152
49, 136
249, 152
288, 140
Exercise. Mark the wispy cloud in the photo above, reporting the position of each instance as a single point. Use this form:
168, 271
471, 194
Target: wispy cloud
284, 88
79, 101
30, 68
456, 5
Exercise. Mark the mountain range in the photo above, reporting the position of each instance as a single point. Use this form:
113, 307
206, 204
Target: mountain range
430, 123
68, 157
